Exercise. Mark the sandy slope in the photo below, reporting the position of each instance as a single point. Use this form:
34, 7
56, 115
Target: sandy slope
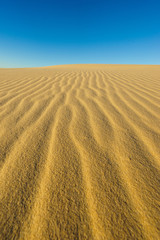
80, 152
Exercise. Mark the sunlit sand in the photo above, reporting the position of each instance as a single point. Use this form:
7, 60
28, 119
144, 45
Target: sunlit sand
80, 152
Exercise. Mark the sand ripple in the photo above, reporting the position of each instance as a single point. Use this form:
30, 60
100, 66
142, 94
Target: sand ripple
79, 152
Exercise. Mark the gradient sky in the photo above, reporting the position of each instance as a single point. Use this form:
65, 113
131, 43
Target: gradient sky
44, 33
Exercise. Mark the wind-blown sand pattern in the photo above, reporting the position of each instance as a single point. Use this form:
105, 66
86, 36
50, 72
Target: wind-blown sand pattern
80, 152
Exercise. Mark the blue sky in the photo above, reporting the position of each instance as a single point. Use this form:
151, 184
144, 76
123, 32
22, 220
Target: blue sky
43, 33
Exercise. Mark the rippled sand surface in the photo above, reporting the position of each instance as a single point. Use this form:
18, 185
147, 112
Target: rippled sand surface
80, 152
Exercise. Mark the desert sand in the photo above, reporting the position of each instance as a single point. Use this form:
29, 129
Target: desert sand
80, 152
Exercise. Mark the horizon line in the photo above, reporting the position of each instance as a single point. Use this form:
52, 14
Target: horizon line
82, 64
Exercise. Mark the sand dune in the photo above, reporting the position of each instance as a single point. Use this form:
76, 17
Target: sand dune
80, 152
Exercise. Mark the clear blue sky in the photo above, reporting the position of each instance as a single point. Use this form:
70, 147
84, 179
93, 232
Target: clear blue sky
43, 33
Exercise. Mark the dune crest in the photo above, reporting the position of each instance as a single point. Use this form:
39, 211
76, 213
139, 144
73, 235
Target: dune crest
79, 152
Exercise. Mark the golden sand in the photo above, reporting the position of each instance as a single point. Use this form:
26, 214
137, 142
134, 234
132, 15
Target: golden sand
80, 152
